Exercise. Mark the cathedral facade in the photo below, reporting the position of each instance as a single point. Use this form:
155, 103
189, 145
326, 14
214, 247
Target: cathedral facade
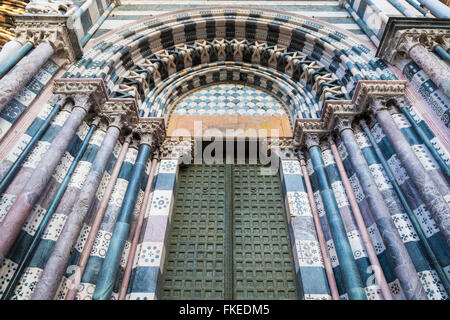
226, 150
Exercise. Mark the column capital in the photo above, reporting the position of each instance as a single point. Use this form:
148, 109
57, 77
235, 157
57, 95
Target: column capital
50, 28
305, 127
94, 89
342, 124
377, 104
312, 140
401, 34
177, 148
82, 100
121, 113
152, 131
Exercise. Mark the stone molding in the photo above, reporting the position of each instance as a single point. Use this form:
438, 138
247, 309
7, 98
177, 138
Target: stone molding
339, 114
405, 40
401, 34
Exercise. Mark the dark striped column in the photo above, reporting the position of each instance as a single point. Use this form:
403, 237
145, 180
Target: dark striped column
17, 78
424, 183
110, 265
56, 264
22, 206
403, 266
350, 272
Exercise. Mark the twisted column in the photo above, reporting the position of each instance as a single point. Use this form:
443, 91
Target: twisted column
56, 264
110, 265
426, 186
23, 72
352, 278
403, 266
22, 206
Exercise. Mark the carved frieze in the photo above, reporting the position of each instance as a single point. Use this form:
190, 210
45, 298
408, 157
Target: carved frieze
94, 88
404, 39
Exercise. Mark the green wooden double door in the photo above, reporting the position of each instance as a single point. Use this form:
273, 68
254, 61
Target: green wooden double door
229, 237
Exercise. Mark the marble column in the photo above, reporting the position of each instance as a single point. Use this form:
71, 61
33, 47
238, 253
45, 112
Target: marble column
403, 266
438, 72
31, 248
9, 50
110, 265
56, 264
137, 232
17, 78
426, 186
22, 206
371, 253
438, 8
12, 56
320, 235
350, 272
85, 254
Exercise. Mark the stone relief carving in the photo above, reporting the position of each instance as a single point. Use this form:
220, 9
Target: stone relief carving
59, 7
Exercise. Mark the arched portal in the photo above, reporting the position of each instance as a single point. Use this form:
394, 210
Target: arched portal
321, 87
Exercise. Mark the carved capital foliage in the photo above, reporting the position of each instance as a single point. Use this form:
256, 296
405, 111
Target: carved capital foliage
343, 124
404, 40
370, 95
305, 127
94, 89
151, 130
177, 148
369, 90
121, 113
312, 139
51, 29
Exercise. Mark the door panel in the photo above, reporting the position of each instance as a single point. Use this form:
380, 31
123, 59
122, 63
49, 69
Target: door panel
229, 237
262, 258
194, 267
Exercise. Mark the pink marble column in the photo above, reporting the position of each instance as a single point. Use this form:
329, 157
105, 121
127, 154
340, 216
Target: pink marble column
320, 235
429, 63
137, 232
371, 253
22, 206
84, 258
17, 78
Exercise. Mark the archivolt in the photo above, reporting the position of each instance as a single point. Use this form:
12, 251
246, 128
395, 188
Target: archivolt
327, 62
